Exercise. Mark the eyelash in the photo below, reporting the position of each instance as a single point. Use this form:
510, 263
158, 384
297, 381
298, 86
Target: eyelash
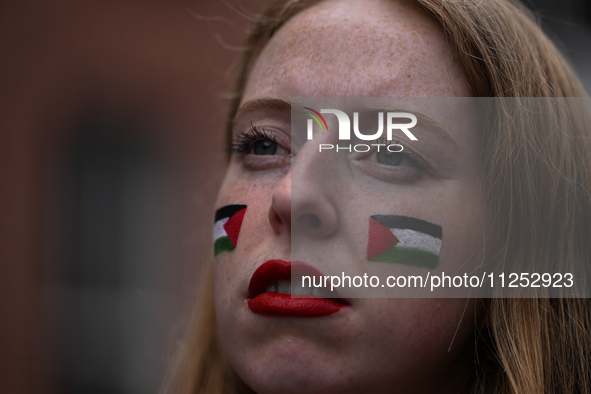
244, 139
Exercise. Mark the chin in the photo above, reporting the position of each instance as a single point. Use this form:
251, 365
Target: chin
295, 365
291, 365
284, 377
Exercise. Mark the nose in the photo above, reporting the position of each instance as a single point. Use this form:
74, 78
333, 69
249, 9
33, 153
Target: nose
302, 203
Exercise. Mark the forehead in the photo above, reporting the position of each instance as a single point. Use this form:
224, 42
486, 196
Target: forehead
358, 48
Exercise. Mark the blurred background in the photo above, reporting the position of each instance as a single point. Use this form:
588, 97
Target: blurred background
111, 153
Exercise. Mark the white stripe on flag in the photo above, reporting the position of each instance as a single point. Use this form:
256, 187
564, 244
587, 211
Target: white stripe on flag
218, 228
417, 240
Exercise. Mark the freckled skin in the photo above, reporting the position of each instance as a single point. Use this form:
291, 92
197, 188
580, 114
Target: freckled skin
355, 48
386, 44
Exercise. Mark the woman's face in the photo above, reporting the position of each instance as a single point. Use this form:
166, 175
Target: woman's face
350, 48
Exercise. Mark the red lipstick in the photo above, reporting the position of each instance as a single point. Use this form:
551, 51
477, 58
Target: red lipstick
268, 302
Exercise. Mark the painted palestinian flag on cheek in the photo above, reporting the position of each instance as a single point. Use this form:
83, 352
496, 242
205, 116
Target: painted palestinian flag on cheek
226, 228
404, 240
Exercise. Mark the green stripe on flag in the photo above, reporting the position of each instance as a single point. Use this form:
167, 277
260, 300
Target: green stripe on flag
408, 256
222, 244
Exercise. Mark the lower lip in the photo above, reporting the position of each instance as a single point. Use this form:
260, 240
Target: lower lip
277, 304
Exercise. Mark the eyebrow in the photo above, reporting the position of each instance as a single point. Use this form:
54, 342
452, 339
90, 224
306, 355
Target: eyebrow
264, 103
422, 120
436, 127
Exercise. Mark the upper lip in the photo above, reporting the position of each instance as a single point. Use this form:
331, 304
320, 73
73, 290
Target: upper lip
276, 270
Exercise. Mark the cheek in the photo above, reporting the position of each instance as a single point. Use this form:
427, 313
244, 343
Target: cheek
456, 207
231, 267
418, 335
234, 269
465, 229
256, 194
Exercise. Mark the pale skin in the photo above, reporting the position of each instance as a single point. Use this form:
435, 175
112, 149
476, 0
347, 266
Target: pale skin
369, 48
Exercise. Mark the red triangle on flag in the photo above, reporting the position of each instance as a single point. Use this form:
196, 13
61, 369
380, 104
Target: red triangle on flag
379, 240
232, 226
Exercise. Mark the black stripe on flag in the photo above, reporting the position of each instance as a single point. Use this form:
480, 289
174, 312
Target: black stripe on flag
408, 223
227, 211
